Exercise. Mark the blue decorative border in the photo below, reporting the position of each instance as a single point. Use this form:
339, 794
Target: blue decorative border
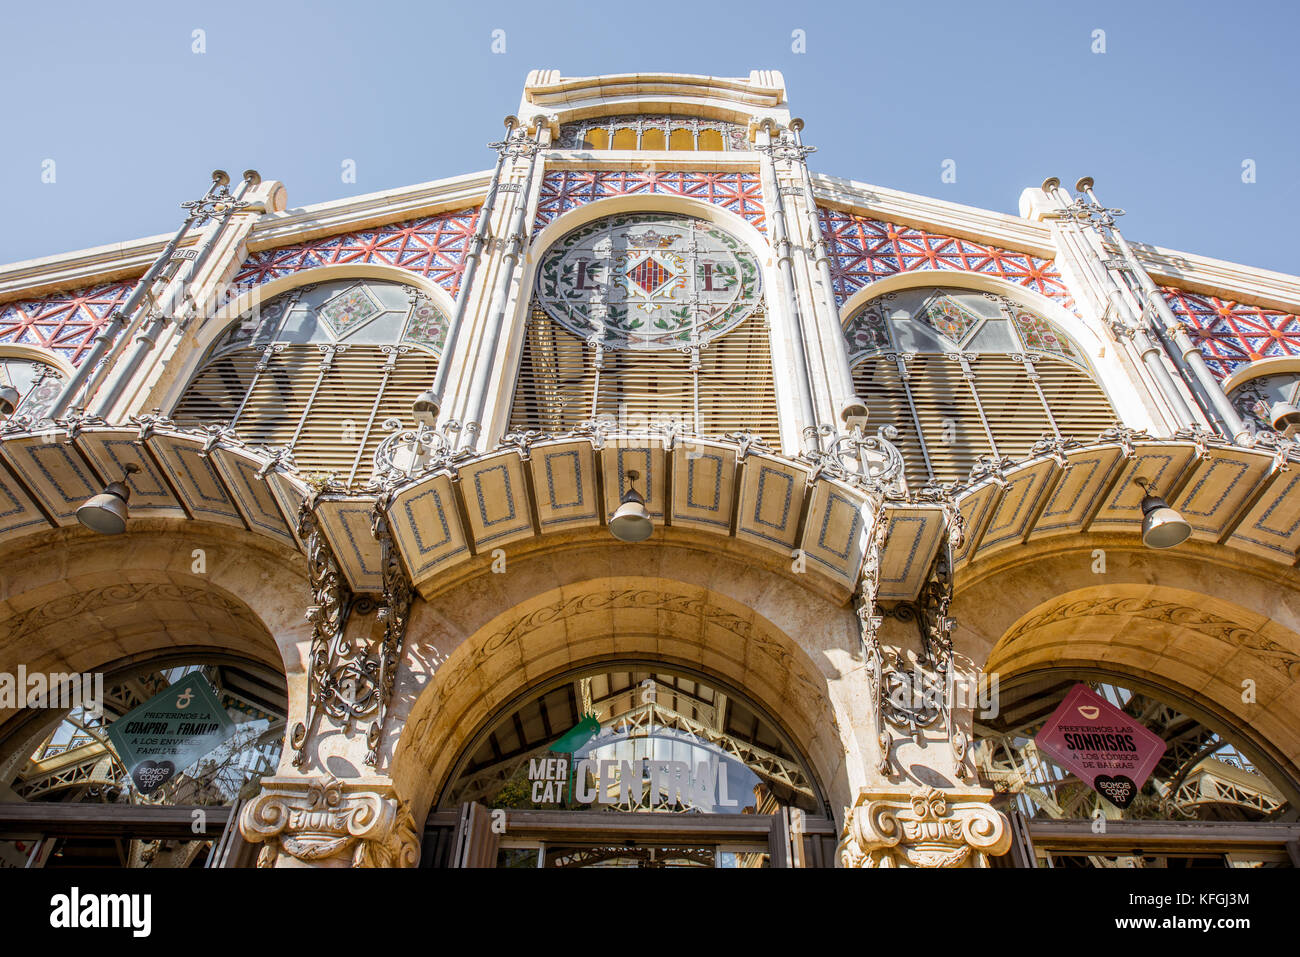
895, 520
691, 459
179, 452
1185, 506
1113, 504
1029, 482
482, 504
90, 488
577, 479
342, 513
1049, 511
833, 498
758, 498
259, 493
145, 468
648, 476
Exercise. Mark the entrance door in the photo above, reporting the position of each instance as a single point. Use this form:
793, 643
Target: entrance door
630, 765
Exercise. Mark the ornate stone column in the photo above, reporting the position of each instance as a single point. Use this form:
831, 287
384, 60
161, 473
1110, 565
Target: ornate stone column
332, 804
323, 822
927, 828
921, 805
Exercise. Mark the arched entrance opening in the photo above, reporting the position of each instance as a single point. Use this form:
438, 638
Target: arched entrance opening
1210, 772
1198, 646
630, 763
702, 618
92, 629
86, 809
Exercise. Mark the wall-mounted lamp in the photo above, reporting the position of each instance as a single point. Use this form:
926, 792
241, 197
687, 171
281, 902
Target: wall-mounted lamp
631, 522
9, 399
1284, 417
1162, 526
106, 512
425, 408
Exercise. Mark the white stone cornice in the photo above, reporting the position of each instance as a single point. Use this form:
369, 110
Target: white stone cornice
1218, 277
35, 277
1203, 274
373, 209
762, 88
84, 267
953, 219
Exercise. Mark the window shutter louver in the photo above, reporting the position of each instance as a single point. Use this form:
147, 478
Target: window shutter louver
343, 416
558, 379
951, 427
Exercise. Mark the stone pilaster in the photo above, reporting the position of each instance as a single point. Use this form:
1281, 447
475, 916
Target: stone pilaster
922, 828
323, 822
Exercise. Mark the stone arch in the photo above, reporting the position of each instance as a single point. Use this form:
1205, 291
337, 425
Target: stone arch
1261, 367
30, 353
72, 601
1196, 624
491, 637
563, 224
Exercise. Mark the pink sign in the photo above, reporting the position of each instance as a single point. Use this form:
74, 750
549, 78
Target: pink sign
1101, 744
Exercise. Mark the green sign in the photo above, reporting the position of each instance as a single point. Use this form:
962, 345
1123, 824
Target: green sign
170, 731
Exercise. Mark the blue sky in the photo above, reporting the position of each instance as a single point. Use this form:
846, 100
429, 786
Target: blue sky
1012, 92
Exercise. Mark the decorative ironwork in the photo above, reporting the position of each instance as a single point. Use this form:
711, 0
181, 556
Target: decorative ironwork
340, 678
410, 453
394, 612
1125, 437
863, 461
870, 620
913, 699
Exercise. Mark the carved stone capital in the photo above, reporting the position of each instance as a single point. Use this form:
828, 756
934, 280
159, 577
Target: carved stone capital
927, 828
323, 822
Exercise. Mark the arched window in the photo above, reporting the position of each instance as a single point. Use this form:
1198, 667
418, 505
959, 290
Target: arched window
35, 383
648, 131
644, 318
1268, 403
965, 374
624, 139
681, 139
326, 371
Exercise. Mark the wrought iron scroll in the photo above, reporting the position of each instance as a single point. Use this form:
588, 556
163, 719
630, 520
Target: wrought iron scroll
912, 700
868, 462
327, 614
870, 620
394, 612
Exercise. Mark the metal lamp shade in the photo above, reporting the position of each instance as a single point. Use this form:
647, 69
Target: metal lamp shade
631, 522
425, 408
9, 399
1162, 526
106, 512
1283, 416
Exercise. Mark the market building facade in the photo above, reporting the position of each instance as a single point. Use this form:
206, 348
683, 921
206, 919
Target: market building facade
649, 499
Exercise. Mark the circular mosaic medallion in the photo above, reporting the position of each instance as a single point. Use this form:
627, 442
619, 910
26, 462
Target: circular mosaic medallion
648, 281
